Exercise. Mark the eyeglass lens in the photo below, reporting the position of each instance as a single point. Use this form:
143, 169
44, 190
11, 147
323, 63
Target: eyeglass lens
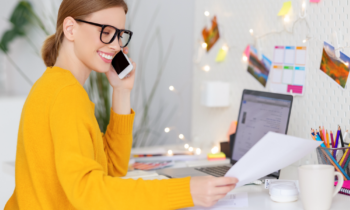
108, 33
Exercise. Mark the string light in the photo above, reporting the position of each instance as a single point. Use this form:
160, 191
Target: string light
190, 149
215, 150
204, 45
171, 88
181, 136
286, 18
347, 64
251, 31
303, 5
167, 130
170, 152
206, 68
198, 151
186, 146
245, 58
225, 48
206, 13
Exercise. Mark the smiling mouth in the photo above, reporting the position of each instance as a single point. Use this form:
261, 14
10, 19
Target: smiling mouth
105, 57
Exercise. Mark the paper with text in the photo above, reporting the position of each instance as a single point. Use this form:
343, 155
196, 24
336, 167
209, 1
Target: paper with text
272, 153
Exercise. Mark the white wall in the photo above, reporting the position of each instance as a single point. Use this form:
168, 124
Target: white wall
324, 103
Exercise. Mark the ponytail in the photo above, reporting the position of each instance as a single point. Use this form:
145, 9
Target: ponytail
49, 51
77, 9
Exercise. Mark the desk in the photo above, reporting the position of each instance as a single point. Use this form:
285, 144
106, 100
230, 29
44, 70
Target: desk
258, 196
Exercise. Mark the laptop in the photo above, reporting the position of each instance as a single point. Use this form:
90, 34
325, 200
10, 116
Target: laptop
259, 113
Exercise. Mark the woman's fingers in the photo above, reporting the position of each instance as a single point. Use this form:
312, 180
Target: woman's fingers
222, 181
224, 189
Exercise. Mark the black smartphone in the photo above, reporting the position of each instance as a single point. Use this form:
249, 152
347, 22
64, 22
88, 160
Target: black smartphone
122, 64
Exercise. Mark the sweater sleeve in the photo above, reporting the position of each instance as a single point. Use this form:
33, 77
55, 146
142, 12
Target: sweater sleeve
83, 179
117, 142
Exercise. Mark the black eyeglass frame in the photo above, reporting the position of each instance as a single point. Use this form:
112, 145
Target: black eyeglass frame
117, 31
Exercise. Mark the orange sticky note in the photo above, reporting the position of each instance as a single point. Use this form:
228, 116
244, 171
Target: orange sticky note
232, 129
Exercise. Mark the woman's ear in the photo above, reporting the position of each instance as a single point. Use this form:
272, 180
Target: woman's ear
69, 26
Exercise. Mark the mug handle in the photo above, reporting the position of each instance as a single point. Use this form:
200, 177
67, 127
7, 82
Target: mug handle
340, 182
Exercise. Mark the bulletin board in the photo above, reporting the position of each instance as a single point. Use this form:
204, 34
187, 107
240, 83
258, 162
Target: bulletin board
323, 101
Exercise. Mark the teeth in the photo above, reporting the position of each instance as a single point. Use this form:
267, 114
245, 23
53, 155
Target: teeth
109, 57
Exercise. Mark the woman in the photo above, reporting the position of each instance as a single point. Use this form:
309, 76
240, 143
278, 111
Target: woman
63, 161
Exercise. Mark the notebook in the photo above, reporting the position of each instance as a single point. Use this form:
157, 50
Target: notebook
345, 189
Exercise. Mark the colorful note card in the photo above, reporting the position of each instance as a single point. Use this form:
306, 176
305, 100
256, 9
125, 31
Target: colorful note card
314, 1
285, 8
288, 69
247, 51
336, 68
221, 55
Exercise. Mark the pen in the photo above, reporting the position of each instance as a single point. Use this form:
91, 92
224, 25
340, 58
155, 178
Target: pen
341, 137
332, 141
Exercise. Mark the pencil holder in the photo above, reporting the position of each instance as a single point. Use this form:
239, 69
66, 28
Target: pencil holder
338, 157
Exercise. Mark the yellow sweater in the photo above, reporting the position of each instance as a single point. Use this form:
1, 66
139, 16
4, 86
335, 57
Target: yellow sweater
64, 162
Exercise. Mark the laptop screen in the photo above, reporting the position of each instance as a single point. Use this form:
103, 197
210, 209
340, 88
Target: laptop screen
259, 115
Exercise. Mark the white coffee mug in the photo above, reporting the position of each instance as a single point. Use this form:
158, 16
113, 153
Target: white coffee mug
316, 184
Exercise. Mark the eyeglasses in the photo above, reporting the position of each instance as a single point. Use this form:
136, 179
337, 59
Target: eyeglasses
108, 34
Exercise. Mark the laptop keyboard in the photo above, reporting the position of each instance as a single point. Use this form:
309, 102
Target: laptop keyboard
217, 171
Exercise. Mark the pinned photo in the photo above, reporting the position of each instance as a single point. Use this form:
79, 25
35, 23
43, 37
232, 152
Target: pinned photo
335, 68
259, 69
211, 35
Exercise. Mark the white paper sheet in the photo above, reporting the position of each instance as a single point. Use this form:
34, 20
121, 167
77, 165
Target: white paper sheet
272, 153
231, 200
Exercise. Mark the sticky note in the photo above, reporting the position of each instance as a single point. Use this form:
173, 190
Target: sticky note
285, 8
315, 1
221, 55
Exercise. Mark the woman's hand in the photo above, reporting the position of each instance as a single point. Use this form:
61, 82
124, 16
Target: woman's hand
124, 84
207, 190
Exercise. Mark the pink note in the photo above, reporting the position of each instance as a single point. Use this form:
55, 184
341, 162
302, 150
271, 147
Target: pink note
315, 1
247, 51
295, 89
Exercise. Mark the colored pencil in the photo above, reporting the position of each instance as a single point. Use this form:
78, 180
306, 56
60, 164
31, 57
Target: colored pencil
313, 135
324, 135
333, 161
341, 137
321, 134
327, 137
332, 139
336, 145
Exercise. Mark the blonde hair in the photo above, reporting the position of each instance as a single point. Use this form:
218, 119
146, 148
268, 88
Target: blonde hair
77, 9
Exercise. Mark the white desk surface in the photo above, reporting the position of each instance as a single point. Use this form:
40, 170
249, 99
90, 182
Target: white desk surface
258, 196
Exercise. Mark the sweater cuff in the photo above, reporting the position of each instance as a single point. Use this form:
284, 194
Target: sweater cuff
122, 124
179, 193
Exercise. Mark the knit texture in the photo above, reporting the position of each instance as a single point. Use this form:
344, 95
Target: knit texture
63, 161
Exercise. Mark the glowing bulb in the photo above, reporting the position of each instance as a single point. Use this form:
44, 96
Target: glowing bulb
198, 151
206, 68
286, 18
303, 5
181, 136
304, 41
245, 58
167, 130
171, 88
170, 152
206, 13
204, 45
347, 64
251, 31
215, 150
225, 48
186, 146
190, 149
